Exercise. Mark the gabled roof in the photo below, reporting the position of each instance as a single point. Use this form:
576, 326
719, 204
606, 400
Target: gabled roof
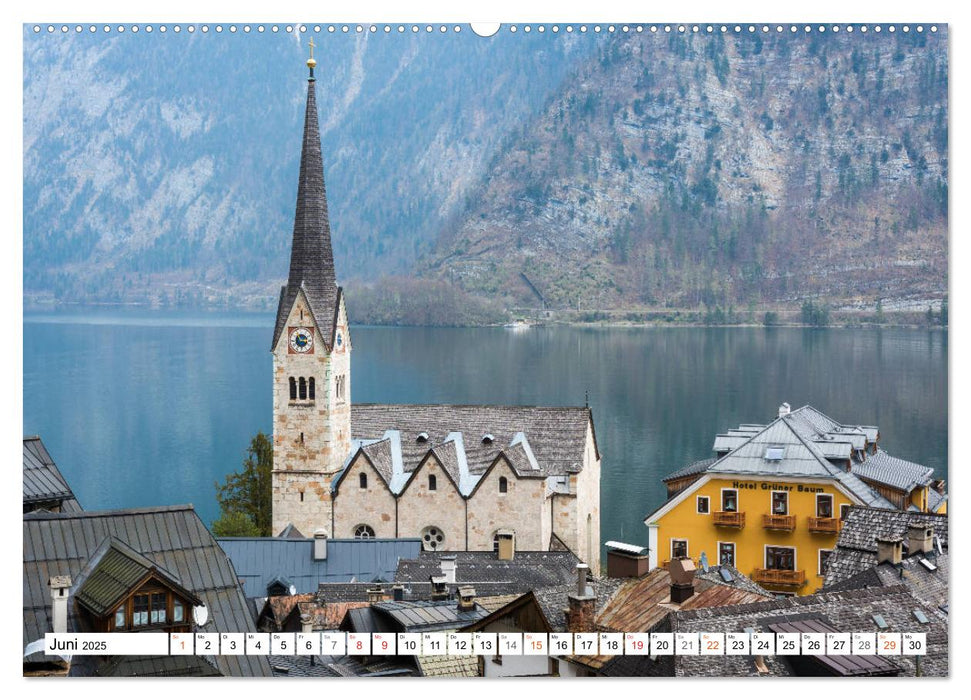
111, 574
893, 471
42, 479
62, 544
525, 571
311, 255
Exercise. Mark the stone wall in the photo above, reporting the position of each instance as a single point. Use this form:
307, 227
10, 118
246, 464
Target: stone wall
307, 513
522, 508
588, 507
444, 508
353, 506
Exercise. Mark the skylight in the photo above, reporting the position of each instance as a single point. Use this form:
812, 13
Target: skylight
921, 617
775, 453
726, 575
881, 623
927, 565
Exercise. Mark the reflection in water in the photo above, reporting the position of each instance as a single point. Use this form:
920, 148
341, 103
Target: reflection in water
145, 414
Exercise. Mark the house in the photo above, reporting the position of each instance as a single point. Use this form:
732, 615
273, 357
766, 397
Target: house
771, 501
132, 570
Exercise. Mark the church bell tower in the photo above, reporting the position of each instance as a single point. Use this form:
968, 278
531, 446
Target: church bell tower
311, 355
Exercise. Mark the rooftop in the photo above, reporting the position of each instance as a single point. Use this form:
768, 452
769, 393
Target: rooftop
43, 482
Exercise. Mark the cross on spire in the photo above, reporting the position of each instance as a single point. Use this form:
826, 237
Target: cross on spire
310, 61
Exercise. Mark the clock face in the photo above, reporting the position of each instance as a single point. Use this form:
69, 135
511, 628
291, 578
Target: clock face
302, 340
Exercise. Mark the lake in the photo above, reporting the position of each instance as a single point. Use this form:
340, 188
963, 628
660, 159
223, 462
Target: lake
152, 408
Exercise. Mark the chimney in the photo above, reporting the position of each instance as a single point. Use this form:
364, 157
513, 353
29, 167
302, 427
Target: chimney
306, 623
582, 605
448, 568
682, 572
890, 549
920, 538
507, 545
439, 587
398, 592
375, 595
466, 598
784, 410
320, 545
60, 587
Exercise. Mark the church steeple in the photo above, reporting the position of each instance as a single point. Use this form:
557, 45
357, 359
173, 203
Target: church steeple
311, 255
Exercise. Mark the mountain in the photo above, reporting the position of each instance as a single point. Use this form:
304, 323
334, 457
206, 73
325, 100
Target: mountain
162, 168
625, 171
691, 170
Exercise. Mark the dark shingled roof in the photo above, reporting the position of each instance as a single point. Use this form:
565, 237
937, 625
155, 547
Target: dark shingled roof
311, 256
847, 611
526, 571
43, 482
557, 436
893, 471
62, 544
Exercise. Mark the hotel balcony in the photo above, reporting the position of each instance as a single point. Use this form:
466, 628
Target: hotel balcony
724, 518
779, 522
779, 577
824, 526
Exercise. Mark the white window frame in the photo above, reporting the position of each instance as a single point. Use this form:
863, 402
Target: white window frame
819, 561
832, 501
718, 552
687, 547
847, 506
772, 502
738, 502
698, 505
765, 555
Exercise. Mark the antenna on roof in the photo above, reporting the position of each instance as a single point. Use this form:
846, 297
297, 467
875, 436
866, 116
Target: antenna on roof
586, 398
704, 562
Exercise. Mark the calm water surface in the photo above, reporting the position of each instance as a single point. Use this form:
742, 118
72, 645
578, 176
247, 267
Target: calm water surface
146, 408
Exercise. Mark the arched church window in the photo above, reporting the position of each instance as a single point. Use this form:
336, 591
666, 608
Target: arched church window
503, 484
313, 389
432, 538
362, 480
432, 482
364, 532
303, 388
293, 389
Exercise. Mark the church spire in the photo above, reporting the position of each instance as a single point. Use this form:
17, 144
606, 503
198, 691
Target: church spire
311, 256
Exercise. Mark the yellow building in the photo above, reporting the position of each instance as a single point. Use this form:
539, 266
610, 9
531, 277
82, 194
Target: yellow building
771, 501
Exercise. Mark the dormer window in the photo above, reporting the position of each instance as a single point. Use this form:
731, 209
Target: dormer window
178, 611
120, 618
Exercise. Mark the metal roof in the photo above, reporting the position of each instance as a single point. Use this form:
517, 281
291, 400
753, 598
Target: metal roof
848, 665
258, 560
893, 471
62, 544
42, 480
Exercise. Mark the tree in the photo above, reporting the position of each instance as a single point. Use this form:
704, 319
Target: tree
245, 499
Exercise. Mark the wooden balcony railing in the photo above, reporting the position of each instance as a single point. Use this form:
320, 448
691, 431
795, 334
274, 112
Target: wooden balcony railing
779, 577
825, 526
779, 522
725, 518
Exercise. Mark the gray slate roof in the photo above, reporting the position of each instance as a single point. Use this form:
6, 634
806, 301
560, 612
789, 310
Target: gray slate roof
311, 256
556, 437
892, 471
930, 587
258, 560
61, 544
526, 571
856, 548
847, 611
43, 481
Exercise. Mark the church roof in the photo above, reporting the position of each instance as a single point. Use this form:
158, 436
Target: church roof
311, 255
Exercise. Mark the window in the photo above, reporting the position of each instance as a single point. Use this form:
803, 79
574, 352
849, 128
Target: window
293, 389
301, 496
503, 484
844, 510
730, 500
495, 542
775, 453
140, 606
432, 482
362, 480
679, 549
158, 608
824, 555
313, 389
824, 505
364, 532
703, 504
726, 553
120, 618
178, 612
432, 538
303, 389
780, 503
340, 387
781, 558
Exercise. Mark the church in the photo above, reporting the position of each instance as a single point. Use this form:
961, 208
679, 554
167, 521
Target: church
461, 478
